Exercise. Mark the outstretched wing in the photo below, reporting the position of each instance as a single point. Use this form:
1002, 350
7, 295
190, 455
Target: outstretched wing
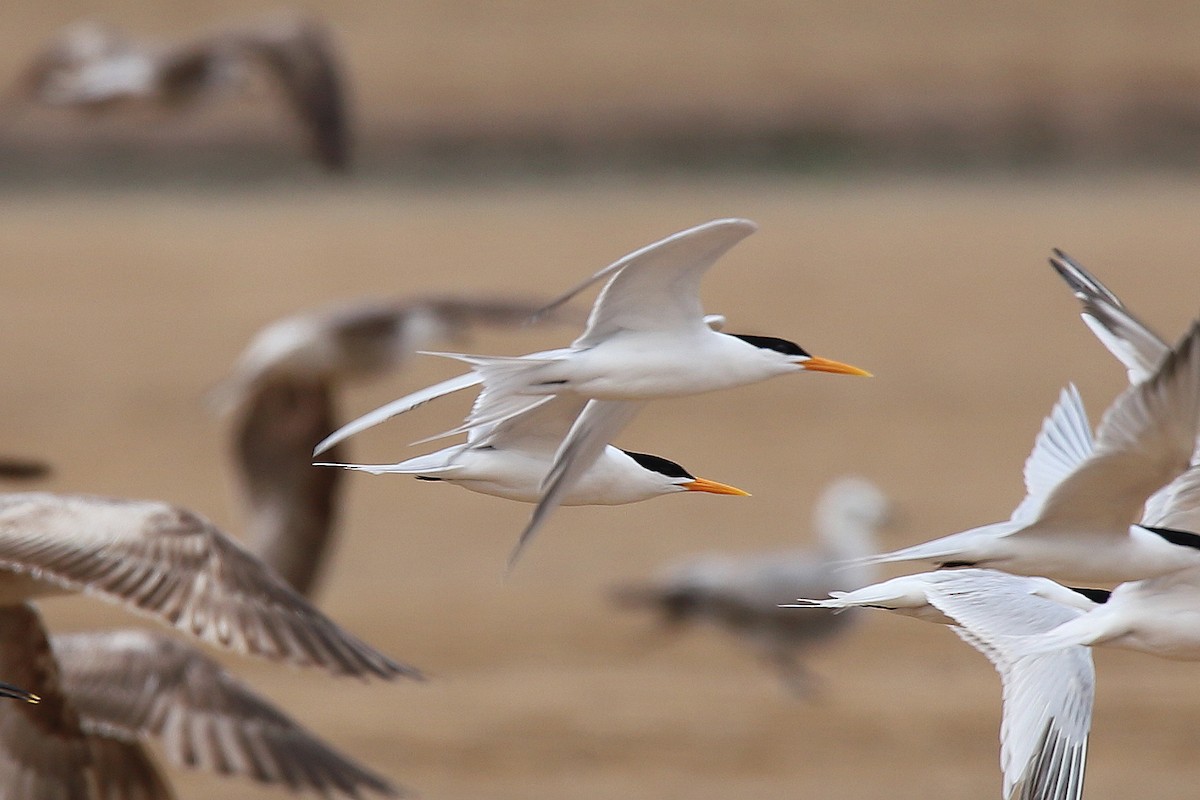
137, 683
172, 564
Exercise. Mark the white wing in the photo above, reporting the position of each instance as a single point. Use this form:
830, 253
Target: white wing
595, 426
1140, 349
540, 429
1064, 443
658, 286
1145, 441
1047, 697
1176, 506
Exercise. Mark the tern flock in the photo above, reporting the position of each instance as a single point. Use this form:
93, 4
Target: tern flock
540, 432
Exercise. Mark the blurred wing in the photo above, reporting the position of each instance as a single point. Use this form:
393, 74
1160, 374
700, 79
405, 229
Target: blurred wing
45, 753
1063, 444
595, 426
299, 54
172, 564
1177, 505
135, 683
1047, 697
658, 286
538, 430
403, 404
1140, 349
1145, 441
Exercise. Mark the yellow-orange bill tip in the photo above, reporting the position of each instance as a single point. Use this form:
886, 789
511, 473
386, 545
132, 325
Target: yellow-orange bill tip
818, 364
712, 487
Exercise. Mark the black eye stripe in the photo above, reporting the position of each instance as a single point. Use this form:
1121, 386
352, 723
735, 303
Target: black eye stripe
659, 465
773, 343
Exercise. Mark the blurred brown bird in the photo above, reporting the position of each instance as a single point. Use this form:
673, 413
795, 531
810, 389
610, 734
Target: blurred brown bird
281, 394
94, 67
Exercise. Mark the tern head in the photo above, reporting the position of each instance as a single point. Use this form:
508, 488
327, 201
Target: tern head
672, 477
793, 354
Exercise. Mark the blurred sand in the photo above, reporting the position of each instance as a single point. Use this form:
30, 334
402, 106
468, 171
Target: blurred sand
120, 309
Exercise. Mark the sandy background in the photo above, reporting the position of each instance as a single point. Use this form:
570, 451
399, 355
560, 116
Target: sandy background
122, 305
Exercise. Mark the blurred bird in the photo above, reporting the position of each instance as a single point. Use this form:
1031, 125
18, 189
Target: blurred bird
282, 396
171, 564
1048, 697
1075, 521
647, 337
94, 67
22, 469
47, 750
134, 685
742, 594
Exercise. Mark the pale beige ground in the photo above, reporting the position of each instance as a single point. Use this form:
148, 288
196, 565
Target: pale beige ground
120, 309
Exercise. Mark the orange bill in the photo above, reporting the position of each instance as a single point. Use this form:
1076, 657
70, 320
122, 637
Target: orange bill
712, 487
818, 364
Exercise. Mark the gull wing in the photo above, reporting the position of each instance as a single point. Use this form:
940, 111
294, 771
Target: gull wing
593, 429
1134, 344
1177, 505
1145, 441
45, 752
138, 683
172, 564
658, 286
1062, 445
1048, 697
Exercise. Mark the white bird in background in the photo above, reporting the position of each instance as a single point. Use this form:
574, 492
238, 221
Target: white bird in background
282, 396
509, 459
647, 337
1047, 696
1075, 521
97, 68
741, 594
171, 564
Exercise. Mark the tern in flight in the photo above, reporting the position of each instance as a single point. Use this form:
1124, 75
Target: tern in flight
509, 459
647, 337
1075, 523
1047, 697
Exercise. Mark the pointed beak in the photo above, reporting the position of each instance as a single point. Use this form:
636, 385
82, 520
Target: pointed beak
17, 693
818, 364
712, 487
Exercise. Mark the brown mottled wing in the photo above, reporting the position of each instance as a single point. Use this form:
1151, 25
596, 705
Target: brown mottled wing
172, 564
299, 55
45, 754
138, 682
291, 503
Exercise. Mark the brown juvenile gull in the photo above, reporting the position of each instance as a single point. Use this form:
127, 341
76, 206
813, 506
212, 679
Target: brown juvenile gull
46, 750
282, 395
741, 594
172, 564
94, 67
135, 685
